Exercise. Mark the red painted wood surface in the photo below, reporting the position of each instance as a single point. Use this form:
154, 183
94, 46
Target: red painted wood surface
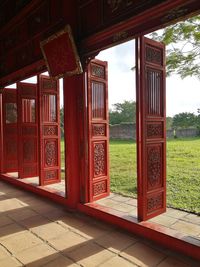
49, 140
27, 130
10, 118
1, 133
151, 128
98, 130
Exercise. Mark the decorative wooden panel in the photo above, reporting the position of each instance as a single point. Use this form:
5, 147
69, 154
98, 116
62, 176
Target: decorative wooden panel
99, 181
151, 128
28, 130
10, 117
50, 166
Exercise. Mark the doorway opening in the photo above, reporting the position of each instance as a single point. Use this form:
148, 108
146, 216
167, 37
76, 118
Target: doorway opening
32, 134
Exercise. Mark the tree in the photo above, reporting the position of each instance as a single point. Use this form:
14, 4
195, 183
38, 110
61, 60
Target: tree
123, 112
62, 121
184, 120
169, 121
183, 47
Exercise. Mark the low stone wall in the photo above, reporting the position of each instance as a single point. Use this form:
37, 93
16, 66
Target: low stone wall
126, 131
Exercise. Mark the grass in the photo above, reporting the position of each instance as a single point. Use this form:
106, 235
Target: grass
183, 171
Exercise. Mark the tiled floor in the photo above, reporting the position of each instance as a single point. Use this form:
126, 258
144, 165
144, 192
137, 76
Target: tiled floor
36, 232
186, 223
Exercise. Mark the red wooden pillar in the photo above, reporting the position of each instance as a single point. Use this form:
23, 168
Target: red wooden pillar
73, 109
151, 128
1, 134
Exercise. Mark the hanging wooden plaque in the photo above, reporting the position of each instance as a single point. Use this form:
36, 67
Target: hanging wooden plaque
60, 54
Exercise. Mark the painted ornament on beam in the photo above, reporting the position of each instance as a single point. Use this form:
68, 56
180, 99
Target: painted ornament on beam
61, 55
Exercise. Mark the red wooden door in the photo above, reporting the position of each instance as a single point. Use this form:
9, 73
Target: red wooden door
50, 168
27, 129
151, 129
10, 117
98, 130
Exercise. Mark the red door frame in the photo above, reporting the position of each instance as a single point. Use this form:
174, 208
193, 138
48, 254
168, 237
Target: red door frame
27, 131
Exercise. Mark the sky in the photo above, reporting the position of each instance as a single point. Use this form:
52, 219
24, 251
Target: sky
181, 95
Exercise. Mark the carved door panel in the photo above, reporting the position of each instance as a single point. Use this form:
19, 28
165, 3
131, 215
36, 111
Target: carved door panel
10, 156
98, 130
50, 168
28, 130
151, 128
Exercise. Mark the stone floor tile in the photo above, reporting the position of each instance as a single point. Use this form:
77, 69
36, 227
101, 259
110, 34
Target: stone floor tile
108, 203
164, 220
186, 228
143, 255
10, 230
90, 231
192, 218
3, 253
34, 221
120, 198
90, 255
72, 222
172, 262
61, 261
118, 262
20, 242
116, 241
23, 214
124, 207
10, 262
56, 214
37, 256
10, 204
49, 230
5, 220
68, 241
177, 214
132, 201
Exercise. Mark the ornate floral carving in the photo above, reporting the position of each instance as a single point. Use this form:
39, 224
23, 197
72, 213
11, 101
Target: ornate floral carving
98, 130
99, 188
99, 159
50, 175
155, 202
50, 153
154, 130
154, 165
50, 130
120, 36
48, 84
98, 71
153, 55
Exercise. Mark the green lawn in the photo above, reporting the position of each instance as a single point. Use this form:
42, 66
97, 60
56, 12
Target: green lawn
183, 171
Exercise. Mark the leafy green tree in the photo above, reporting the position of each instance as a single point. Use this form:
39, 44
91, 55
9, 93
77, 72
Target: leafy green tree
62, 121
184, 120
169, 121
123, 112
182, 46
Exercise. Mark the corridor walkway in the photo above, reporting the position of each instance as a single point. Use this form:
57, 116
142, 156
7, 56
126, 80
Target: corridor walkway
36, 232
